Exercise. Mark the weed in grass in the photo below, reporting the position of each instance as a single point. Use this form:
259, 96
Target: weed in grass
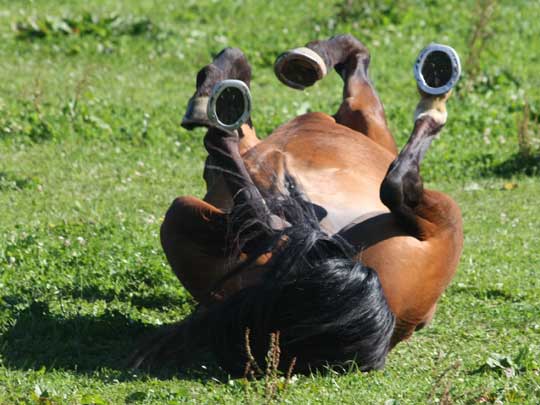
524, 361
479, 37
448, 374
87, 24
528, 134
12, 182
527, 158
274, 384
28, 122
371, 14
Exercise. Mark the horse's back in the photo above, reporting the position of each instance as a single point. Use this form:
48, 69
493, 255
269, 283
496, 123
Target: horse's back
336, 167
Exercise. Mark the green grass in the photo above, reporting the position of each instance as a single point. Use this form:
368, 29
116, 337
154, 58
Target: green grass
91, 154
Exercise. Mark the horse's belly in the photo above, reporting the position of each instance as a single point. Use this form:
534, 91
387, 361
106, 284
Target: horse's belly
336, 167
345, 194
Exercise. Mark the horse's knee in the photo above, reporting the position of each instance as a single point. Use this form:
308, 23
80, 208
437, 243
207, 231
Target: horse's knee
401, 186
192, 218
178, 212
172, 229
193, 238
176, 207
192, 225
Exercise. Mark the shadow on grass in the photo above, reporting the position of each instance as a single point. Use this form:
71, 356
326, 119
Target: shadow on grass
99, 346
154, 300
490, 294
517, 164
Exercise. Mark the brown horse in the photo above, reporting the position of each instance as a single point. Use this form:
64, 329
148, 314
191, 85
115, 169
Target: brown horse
359, 206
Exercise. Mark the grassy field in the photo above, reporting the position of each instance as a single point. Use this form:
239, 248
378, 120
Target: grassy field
91, 155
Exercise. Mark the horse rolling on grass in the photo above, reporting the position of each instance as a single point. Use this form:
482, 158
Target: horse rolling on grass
322, 232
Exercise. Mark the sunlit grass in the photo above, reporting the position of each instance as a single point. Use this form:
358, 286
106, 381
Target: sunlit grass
91, 155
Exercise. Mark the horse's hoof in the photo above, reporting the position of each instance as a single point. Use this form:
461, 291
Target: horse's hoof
196, 113
229, 105
300, 68
437, 69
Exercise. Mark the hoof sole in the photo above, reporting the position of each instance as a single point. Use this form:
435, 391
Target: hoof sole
229, 105
300, 68
437, 69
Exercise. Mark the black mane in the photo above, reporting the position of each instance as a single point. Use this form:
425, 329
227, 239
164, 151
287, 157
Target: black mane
328, 307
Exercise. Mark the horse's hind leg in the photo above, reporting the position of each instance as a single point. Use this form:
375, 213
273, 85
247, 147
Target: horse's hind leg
402, 189
230, 63
431, 217
361, 108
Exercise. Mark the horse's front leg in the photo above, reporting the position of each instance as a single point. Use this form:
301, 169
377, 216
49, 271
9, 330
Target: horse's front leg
229, 64
229, 108
194, 233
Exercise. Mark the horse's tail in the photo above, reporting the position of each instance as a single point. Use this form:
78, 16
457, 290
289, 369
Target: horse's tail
328, 308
